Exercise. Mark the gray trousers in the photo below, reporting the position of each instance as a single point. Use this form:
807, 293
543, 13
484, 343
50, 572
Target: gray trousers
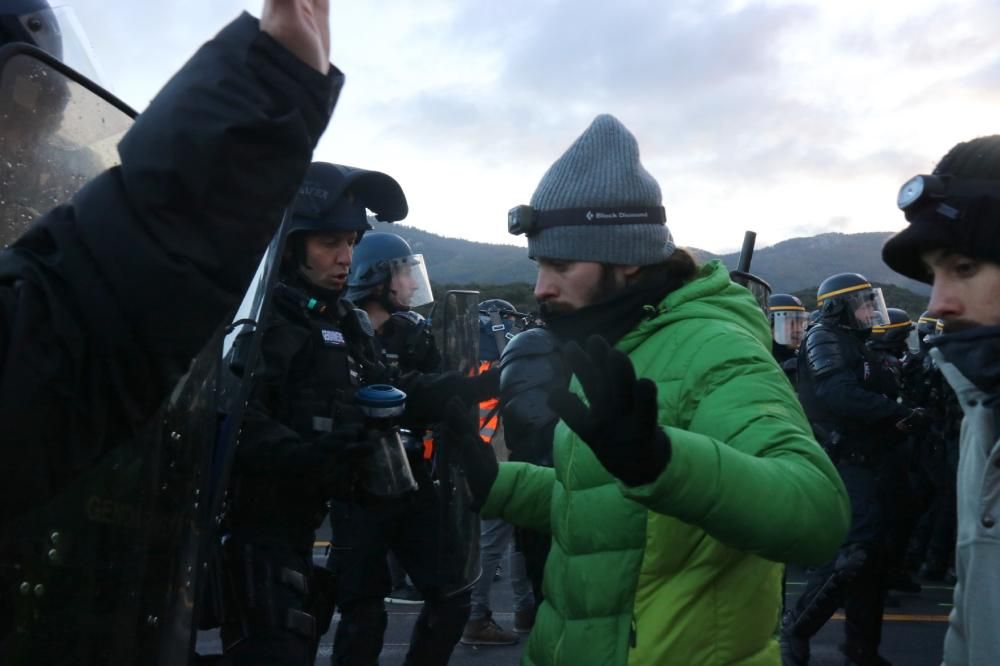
495, 541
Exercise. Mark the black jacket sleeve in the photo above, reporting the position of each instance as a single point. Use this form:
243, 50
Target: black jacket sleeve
837, 385
107, 300
206, 171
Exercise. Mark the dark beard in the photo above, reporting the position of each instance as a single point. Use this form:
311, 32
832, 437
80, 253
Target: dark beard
615, 312
605, 290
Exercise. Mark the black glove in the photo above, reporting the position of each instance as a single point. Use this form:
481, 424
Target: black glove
918, 420
344, 467
428, 394
475, 455
483, 386
620, 426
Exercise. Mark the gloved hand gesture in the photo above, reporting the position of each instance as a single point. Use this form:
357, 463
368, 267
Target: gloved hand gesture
483, 386
476, 456
918, 420
620, 425
428, 394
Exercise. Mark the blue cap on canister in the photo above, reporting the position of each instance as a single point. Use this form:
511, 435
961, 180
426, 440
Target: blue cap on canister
380, 400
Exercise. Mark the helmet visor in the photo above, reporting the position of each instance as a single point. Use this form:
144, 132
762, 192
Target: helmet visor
868, 307
788, 326
409, 286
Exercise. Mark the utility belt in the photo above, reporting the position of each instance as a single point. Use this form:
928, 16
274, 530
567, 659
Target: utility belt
843, 451
859, 458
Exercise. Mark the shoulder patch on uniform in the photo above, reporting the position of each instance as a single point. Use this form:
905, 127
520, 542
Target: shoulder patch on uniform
334, 338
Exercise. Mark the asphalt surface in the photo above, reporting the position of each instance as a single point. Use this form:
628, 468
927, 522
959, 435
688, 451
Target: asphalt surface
913, 633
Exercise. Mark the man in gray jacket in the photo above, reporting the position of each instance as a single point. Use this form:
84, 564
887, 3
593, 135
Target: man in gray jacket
952, 242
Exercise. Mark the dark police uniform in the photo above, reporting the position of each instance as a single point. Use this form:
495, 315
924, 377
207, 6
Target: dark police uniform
292, 456
105, 301
848, 395
416, 528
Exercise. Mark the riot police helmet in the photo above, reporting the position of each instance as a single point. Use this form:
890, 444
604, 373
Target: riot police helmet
386, 269
788, 319
496, 319
756, 285
893, 335
335, 198
51, 27
498, 304
926, 323
850, 300
31, 22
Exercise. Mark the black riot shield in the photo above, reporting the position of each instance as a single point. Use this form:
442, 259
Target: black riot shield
111, 570
459, 549
108, 569
57, 131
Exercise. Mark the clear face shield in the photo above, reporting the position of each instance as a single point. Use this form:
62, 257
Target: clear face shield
788, 327
55, 135
868, 307
409, 286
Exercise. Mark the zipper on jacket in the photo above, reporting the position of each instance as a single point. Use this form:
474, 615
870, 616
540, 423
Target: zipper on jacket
632, 634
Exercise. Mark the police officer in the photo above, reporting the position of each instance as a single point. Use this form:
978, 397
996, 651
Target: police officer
932, 544
105, 301
891, 343
849, 396
788, 324
302, 432
387, 280
893, 337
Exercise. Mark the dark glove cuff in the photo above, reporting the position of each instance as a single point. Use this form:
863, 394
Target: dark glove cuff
648, 467
486, 385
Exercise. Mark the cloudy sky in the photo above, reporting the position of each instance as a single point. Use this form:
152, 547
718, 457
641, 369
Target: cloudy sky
788, 118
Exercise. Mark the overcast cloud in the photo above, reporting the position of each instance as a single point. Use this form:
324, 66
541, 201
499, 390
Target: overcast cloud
789, 118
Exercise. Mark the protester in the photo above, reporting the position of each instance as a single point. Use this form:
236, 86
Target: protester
691, 474
952, 243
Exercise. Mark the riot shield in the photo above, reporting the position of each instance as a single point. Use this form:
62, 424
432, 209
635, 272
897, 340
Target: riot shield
240, 351
111, 570
459, 549
57, 131
107, 570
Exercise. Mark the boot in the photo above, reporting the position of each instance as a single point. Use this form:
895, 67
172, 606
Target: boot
794, 649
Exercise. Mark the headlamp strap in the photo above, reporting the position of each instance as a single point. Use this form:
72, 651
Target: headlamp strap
527, 220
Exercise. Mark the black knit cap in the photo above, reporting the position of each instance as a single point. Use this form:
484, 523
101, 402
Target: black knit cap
974, 233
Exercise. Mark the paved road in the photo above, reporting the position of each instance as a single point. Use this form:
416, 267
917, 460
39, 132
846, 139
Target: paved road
913, 633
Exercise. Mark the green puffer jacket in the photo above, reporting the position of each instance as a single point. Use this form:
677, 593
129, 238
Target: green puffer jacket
683, 570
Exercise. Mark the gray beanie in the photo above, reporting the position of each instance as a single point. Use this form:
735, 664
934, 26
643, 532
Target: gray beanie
602, 170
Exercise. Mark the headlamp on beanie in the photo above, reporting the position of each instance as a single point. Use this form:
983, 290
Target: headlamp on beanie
946, 191
526, 220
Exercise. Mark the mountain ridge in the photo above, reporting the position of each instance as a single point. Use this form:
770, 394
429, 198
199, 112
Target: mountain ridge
788, 266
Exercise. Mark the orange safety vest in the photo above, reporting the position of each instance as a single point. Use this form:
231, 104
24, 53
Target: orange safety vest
489, 419
489, 412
